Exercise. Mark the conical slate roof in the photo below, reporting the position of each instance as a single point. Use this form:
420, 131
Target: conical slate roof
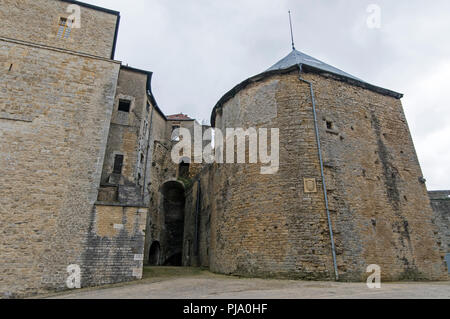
297, 57
305, 63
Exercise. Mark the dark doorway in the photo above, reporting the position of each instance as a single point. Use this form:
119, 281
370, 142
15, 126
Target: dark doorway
173, 205
153, 257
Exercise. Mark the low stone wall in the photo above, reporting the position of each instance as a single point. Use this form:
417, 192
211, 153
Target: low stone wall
115, 245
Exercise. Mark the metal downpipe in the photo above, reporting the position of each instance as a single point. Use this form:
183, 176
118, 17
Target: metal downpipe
322, 171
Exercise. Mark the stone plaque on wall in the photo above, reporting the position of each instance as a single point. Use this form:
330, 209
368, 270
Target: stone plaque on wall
310, 185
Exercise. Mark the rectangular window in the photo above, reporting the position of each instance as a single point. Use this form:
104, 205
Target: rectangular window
118, 164
64, 28
124, 106
329, 125
175, 137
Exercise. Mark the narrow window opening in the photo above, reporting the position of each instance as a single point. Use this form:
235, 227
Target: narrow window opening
64, 28
175, 137
118, 164
329, 125
10, 68
142, 158
124, 106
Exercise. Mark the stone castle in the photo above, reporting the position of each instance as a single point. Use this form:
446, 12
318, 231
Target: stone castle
87, 177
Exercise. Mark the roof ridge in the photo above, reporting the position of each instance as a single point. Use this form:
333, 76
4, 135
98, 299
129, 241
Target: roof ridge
296, 57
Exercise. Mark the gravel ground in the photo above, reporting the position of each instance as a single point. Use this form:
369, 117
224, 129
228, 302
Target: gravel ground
197, 284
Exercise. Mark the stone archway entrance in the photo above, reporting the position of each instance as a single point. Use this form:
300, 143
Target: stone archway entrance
173, 210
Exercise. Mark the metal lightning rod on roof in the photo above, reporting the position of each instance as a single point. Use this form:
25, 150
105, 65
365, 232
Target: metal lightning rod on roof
292, 32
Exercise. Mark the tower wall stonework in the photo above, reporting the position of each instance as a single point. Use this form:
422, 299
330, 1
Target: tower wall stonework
36, 21
128, 137
380, 208
55, 112
264, 225
268, 225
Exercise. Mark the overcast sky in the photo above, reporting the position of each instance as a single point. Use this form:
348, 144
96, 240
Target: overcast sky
198, 50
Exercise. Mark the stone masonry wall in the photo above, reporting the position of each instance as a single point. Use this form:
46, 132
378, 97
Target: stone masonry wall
160, 171
115, 245
36, 21
440, 201
165, 175
263, 225
200, 197
55, 110
128, 135
380, 209
267, 225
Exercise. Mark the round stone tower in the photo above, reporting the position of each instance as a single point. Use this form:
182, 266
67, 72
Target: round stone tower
348, 190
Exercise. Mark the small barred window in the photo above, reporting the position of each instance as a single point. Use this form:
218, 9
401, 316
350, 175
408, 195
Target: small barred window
64, 28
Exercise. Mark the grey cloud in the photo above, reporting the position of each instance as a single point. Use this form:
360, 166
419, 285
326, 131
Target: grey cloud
198, 50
